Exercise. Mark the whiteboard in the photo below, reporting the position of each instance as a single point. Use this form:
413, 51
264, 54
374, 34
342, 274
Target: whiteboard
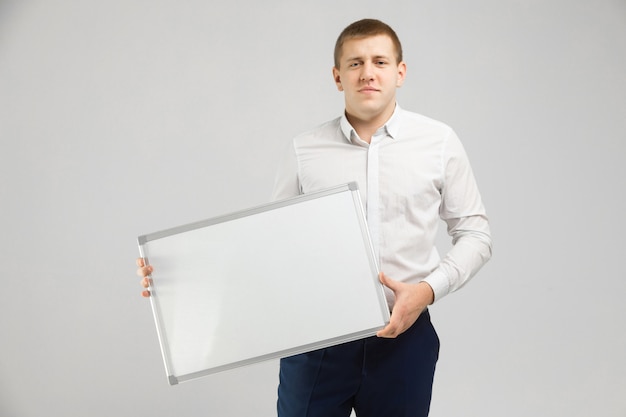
268, 282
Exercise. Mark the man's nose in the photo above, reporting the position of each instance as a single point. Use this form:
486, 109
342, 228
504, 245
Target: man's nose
367, 73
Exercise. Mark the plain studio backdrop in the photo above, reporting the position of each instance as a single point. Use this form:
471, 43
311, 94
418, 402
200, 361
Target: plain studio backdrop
120, 118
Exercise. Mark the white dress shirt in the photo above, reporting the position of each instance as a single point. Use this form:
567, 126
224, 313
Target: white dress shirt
412, 174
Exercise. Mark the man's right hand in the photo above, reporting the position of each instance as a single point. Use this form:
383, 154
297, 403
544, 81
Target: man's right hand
144, 272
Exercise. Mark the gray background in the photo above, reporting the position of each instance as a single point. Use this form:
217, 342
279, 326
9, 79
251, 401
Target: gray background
120, 118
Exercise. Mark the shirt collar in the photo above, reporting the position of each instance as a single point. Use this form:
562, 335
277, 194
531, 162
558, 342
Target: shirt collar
392, 126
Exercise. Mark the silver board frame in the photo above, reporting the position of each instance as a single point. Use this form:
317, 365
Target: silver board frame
268, 282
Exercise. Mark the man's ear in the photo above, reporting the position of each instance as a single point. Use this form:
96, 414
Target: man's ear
401, 74
337, 79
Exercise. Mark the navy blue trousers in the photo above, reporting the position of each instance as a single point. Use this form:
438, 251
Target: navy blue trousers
374, 376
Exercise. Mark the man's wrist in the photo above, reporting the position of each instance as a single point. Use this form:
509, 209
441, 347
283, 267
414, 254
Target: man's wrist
427, 291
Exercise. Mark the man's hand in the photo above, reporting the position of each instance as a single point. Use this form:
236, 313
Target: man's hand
144, 272
411, 300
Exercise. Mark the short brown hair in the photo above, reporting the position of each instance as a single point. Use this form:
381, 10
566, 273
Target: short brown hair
364, 29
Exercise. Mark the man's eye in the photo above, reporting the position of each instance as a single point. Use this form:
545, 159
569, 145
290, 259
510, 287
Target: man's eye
354, 64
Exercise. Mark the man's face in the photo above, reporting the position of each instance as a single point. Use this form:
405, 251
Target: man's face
368, 76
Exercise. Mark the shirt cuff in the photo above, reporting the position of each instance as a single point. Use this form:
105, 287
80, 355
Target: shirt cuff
439, 283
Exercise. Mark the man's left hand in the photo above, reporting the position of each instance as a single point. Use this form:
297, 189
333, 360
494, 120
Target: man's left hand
411, 300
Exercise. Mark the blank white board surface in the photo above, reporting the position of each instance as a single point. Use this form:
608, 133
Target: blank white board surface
272, 281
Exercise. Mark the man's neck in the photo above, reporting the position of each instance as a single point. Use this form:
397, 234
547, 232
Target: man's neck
366, 127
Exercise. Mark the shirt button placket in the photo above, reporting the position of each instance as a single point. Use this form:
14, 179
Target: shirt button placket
373, 213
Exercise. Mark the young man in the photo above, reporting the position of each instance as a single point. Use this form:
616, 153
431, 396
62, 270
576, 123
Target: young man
412, 171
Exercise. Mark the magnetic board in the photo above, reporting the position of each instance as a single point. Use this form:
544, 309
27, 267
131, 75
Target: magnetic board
268, 282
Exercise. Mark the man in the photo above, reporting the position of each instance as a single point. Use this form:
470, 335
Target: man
412, 171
